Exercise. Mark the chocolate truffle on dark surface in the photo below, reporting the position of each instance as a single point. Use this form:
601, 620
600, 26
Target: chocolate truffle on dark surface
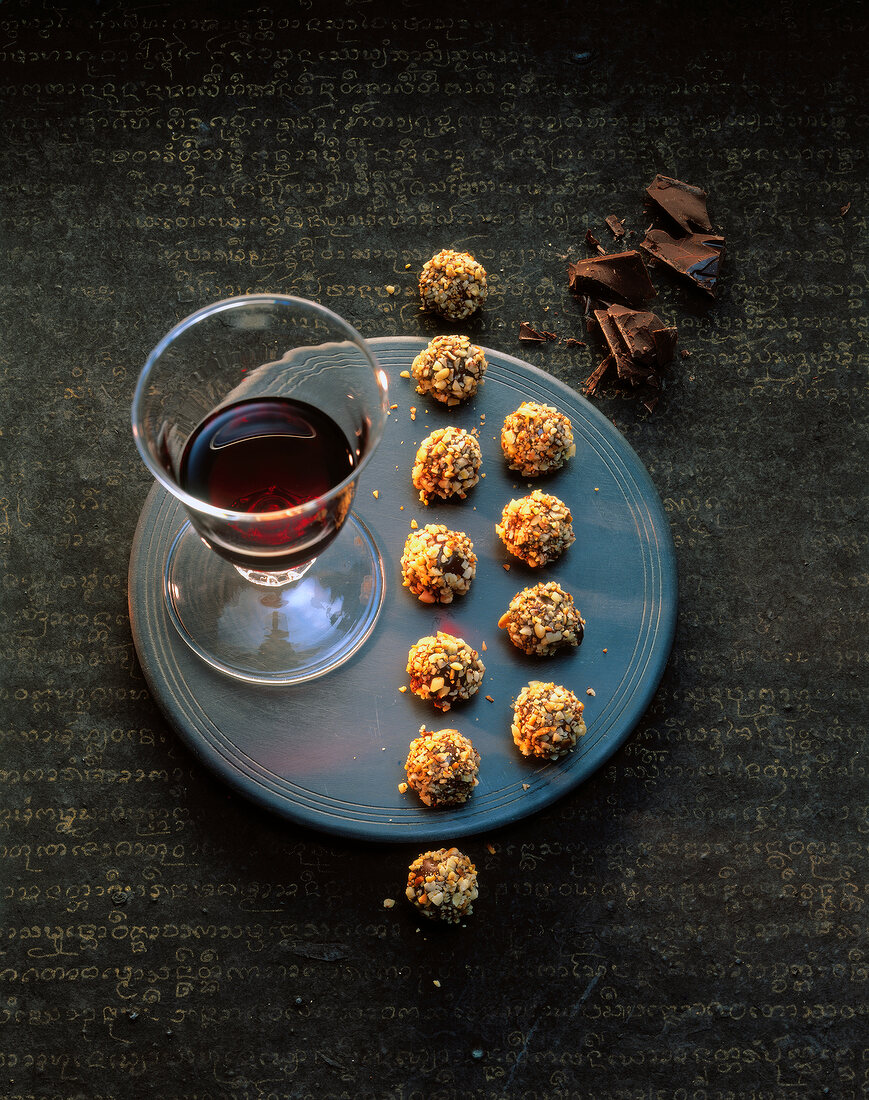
453, 284
442, 885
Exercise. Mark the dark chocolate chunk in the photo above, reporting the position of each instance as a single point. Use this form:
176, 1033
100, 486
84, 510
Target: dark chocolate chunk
664, 340
682, 202
617, 226
592, 242
635, 329
616, 345
697, 256
594, 380
640, 345
572, 342
621, 277
844, 210
641, 335
531, 335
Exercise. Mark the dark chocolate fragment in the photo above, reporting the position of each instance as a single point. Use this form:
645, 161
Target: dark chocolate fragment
572, 342
635, 328
593, 243
697, 256
664, 340
682, 202
594, 380
618, 351
650, 399
621, 277
640, 345
531, 335
642, 336
844, 210
617, 226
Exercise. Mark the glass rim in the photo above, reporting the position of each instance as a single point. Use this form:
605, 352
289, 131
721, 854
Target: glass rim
203, 507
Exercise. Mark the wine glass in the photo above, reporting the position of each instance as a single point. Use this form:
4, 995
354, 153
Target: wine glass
258, 414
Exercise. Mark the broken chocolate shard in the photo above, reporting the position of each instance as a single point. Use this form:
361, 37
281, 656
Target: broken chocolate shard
620, 277
682, 202
644, 335
594, 380
616, 225
635, 329
650, 399
697, 256
531, 335
665, 344
844, 209
628, 368
572, 342
616, 345
593, 243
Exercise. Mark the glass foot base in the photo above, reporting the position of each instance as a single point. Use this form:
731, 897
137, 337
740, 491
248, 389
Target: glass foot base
276, 635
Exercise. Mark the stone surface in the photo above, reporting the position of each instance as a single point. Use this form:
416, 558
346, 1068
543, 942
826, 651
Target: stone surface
687, 923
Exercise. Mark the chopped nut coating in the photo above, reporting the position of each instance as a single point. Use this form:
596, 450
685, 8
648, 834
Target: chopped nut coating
444, 669
450, 369
536, 528
536, 439
442, 767
452, 284
541, 619
447, 464
437, 563
547, 720
442, 885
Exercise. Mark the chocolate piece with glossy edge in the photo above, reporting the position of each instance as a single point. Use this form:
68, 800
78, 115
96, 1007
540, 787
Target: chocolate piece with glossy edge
620, 277
682, 202
697, 256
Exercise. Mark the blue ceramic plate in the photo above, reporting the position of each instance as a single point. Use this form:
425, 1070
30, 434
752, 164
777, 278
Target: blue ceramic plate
329, 754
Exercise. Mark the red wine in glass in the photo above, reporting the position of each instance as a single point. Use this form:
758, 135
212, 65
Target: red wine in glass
267, 455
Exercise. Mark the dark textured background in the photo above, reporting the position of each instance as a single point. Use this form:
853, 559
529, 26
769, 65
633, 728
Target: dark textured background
689, 925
